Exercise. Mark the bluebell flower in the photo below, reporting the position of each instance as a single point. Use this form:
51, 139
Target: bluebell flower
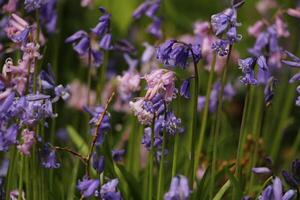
124, 46
117, 155
146, 140
179, 189
154, 28
48, 15
98, 163
109, 191
260, 43
293, 178
261, 170
185, 89
148, 8
8, 137
105, 42
269, 90
31, 5
47, 82
87, 187
104, 23
95, 114
295, 62
247, 65
80, 41
49, 157
174, 53
221, 47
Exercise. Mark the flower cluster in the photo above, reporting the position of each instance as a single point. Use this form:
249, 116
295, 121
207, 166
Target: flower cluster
150, 8
87, 46
175, 53
225, 23
179, 189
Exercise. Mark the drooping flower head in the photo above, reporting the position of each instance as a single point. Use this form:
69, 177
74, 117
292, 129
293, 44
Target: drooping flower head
88, 187
49, 157
109, 191
160, 81
175, 53
179, 189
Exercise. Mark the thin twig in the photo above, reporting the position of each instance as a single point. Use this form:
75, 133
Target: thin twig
98, 124
67, 149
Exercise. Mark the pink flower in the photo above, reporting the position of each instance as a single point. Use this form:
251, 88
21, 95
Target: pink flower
128, 83
10, 6
256, 28
294, 12
202, 28
28, 138
281, 27
79, 95
145, 117
160, 81
263, 6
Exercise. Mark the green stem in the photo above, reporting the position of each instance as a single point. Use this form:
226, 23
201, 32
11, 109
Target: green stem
258, 124
151, 158
218, 122
175, 155
205, 114
194, 120
21, 178
242, 135
89, 78
161, 169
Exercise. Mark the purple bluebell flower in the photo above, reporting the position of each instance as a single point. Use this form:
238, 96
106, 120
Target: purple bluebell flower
124, 46
48, 15
295, 62
104, 23
81, 42
289, 195
270, 90
185, 89
18, 30
148, 8
98, 163
293, 178
267, 193
95, 114
170, 123
87, 187
221, 47
154, 28
261, 170
247, 65
49, 157
105, 42
31, 5
146, 140
109, 191
47, 82
118, 154
4, 168
277, 188
179, 189
8, 137
174, 53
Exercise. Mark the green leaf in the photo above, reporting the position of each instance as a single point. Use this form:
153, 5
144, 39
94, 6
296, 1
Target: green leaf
130, 180
77, 140
235, 183
222, 191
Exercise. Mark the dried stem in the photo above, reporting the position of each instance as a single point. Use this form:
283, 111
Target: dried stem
98, 124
